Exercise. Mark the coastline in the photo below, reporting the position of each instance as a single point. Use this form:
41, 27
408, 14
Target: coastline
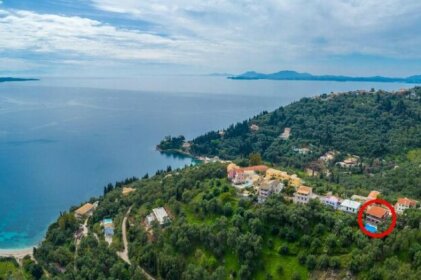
199, 159
17, 253
20, 253
177, 151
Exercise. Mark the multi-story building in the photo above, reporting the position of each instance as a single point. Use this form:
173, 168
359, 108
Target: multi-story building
268, 188
303, 195
376, 215
403, 204
349, 206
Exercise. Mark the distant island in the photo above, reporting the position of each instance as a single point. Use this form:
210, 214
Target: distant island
297, 76
10, 79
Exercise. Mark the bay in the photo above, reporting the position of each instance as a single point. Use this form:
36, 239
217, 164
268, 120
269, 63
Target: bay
62, 139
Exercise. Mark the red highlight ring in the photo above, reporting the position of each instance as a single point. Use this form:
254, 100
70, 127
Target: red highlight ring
382, 234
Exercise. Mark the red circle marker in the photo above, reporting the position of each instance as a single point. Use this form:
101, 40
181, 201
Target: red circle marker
381, 234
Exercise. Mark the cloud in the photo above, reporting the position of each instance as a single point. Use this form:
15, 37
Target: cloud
48, 33
288, 28
219, 34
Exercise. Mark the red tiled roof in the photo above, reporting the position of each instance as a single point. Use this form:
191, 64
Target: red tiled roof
407, 202
373, 194
377, 211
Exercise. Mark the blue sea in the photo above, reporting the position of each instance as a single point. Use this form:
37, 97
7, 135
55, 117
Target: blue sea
63, 139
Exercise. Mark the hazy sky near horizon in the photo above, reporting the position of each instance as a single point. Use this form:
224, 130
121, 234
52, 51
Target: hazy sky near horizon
133, 37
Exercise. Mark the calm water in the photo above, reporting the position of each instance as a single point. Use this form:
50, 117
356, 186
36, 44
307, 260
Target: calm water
62, 140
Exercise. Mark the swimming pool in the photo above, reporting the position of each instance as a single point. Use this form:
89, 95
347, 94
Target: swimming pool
371, 228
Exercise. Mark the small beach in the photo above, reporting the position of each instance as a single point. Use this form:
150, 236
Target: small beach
17, 253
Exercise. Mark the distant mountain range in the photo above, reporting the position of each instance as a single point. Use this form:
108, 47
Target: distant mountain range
10, 79
293, 75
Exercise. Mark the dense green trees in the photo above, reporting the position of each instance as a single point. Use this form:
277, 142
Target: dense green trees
216, 234
255, 159
34, 269
368, 125
171, 143
380, 127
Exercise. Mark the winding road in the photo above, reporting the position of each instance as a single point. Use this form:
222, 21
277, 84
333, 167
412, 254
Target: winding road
124, 255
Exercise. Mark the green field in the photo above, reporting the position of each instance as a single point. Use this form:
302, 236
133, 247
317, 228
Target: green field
10, 270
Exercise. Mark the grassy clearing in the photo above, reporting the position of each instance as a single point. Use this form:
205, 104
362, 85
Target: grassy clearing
9, 270
272, 262
414, 156
231, 262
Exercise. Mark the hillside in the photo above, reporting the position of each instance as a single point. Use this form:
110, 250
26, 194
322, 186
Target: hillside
297, 76
219, 230
365, 124
216, 234
377, 127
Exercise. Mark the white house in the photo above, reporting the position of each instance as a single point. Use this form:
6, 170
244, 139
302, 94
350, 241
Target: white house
302, 151
403, 204
159, 215
350, 206
328, 156
351, 161
269, 187
286, 134
254, 127
331, 201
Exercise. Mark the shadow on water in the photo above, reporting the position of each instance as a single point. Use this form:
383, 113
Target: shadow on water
179, 156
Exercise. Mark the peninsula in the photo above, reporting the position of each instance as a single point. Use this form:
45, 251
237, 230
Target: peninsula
297, 76
284, 206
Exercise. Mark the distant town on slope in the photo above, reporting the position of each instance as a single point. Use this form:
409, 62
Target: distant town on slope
293, 75
10, 79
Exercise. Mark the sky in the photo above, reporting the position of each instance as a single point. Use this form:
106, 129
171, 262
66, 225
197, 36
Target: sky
139, 37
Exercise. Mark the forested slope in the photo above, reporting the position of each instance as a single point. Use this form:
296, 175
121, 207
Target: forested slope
367, 124
216, 234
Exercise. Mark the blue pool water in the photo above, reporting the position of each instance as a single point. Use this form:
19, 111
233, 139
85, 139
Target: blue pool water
62, 140
371, 228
